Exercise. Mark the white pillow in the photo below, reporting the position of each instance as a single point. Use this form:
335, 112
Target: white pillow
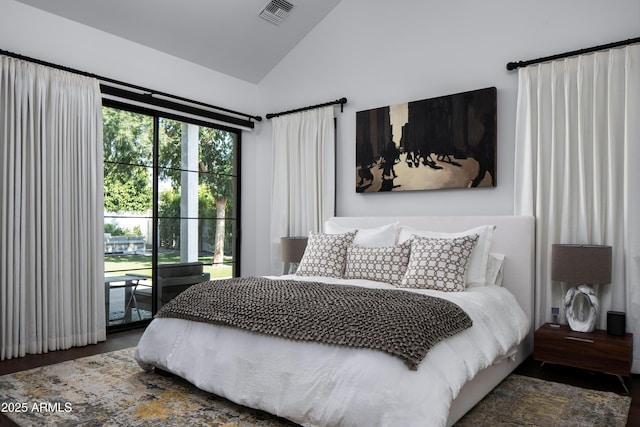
386, 235
438, 263
383, 264
495, 269
477, 268
325, 254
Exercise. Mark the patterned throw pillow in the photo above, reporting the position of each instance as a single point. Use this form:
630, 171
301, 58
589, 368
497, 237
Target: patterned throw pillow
478, 261
383, 264
437, 263
325, 254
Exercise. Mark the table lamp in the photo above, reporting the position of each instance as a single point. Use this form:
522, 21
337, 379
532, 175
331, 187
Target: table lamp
582, 266
292, 249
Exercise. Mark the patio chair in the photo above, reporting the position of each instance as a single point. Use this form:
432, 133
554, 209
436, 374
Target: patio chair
172, 279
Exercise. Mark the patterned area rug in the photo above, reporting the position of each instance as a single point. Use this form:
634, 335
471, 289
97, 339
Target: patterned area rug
110, 389
525, 401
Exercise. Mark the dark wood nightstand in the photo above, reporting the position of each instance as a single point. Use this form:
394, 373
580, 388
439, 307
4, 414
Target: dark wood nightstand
595, 351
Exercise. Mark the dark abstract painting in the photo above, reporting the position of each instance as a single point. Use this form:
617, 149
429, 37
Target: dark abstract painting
436, 143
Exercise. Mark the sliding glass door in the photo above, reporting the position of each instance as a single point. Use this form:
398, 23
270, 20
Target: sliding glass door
171, 209
128, 207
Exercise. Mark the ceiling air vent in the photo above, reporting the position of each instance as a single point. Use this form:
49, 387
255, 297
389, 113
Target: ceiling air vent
276, 10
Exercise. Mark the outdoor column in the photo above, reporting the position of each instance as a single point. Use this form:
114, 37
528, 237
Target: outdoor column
189, 194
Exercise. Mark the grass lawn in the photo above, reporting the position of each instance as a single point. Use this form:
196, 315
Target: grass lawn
141, 264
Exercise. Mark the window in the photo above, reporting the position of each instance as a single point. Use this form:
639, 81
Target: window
171, 200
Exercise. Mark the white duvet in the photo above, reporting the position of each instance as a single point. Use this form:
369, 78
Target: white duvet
321, 385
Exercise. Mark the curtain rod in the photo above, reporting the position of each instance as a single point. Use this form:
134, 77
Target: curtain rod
340, 101
149, 92
514, 65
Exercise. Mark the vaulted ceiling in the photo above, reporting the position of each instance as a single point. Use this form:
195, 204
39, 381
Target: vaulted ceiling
224, 35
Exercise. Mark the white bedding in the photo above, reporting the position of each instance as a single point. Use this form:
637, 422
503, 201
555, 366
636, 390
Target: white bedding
320, 385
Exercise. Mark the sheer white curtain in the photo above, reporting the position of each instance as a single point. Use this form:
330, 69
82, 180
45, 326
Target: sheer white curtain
51, 210
303, 185
578, 170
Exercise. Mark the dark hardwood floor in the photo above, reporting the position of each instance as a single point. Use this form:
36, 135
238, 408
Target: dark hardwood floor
575, 377
114, 342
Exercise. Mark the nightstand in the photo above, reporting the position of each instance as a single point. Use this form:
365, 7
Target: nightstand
595, 351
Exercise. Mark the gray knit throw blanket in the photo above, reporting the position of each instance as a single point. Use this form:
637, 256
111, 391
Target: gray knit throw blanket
403, 324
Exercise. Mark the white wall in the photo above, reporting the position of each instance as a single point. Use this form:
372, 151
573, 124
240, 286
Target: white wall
34, 33
375, 53
378, 53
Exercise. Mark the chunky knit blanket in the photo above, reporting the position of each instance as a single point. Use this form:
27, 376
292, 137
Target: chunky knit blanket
403, 324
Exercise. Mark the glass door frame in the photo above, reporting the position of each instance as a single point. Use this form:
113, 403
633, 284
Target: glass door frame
155, 238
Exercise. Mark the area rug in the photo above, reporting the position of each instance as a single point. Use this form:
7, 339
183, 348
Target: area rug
526, 401
111, 390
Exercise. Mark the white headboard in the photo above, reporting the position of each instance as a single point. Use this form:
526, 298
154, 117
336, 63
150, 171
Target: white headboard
514, 237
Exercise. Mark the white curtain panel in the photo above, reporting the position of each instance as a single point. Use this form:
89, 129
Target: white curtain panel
578, 171
51, 210
303, 186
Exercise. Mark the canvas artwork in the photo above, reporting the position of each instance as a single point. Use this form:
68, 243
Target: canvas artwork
436, 143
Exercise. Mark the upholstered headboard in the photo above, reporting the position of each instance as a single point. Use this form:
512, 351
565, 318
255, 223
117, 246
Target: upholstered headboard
514, 237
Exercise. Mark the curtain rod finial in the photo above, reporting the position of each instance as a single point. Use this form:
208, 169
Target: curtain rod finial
342, 101
513, 65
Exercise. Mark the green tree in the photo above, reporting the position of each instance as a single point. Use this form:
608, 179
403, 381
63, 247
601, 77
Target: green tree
127, 143
217, 167
168, 224
216, 150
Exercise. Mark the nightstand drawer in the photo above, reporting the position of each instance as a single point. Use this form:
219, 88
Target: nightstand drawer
596, 351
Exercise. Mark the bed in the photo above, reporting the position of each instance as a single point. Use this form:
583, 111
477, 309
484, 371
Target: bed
317, 384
